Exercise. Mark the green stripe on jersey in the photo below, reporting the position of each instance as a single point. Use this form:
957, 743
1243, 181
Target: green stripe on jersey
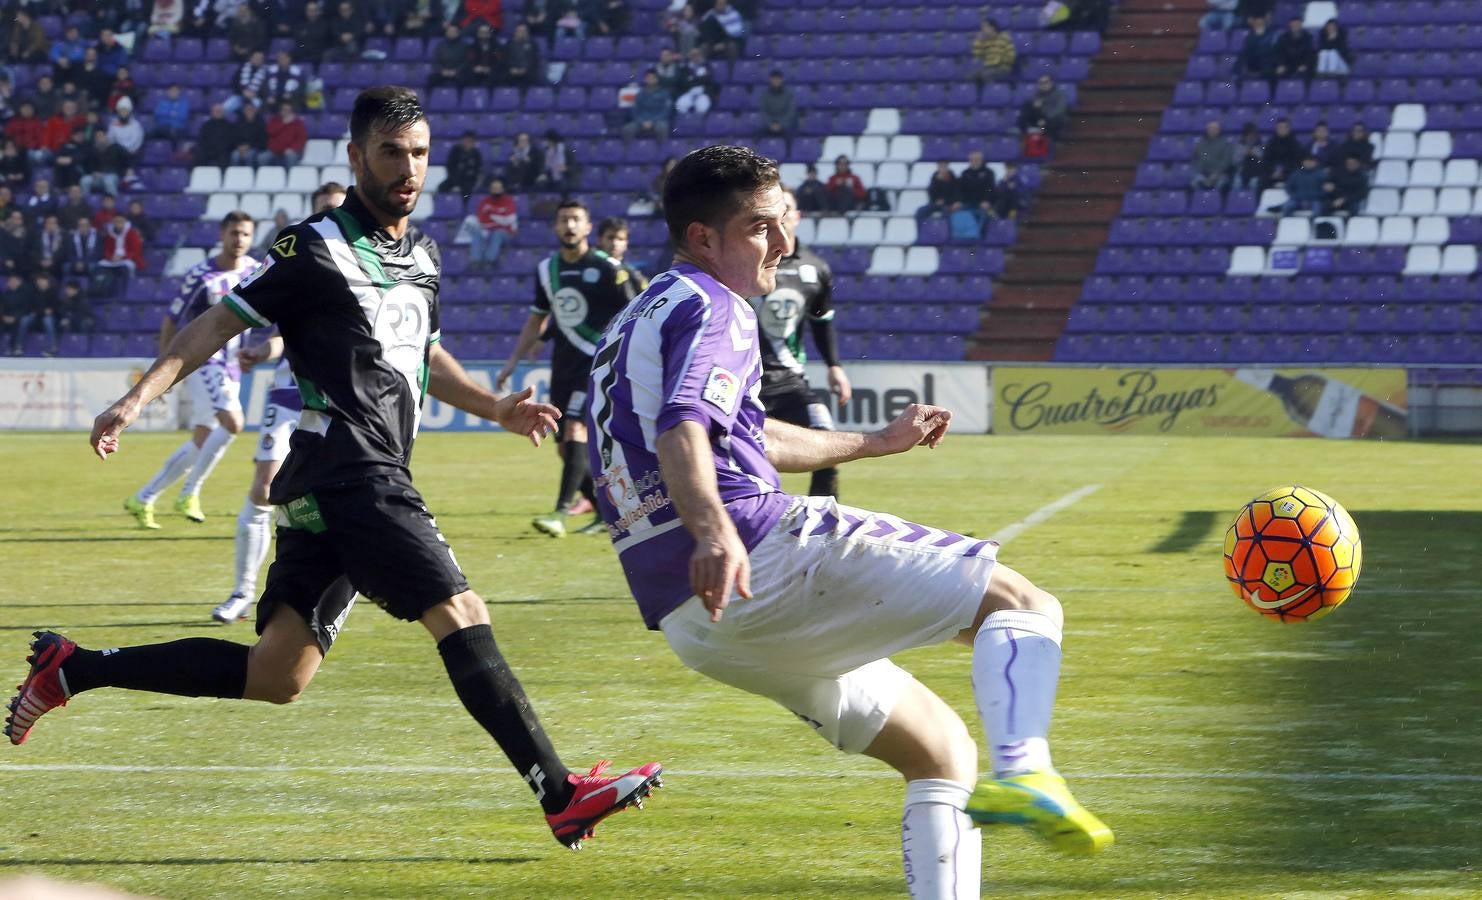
313, 398
365, 254
243, 311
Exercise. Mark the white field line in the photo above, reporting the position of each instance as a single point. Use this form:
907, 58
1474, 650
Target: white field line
1298, 777
1009, 532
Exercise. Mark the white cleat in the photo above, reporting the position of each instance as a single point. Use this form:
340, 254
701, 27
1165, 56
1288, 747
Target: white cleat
235, 607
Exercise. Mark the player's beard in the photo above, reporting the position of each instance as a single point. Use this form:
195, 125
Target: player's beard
382, 195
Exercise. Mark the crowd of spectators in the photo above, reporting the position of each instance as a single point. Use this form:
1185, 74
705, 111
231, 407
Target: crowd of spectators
1321, 174
1294, 52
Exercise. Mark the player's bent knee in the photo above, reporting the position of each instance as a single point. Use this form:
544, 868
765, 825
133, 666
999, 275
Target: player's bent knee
231, 421
1010, 590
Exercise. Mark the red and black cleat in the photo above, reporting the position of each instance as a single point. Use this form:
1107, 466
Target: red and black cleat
44, 688
595, 796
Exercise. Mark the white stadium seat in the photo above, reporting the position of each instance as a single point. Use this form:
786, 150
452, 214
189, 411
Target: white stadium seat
1362, 231
900, 231
867, 232
295, 204
426, 205
865, 171
792, 174
871, 148
1396, 231
1459, 259
1376, 140
1383, 202
1293, 231
1317, 13
833, 231
436, 175
1270, 197
908, 201
887, 261
1477, 202
921, 173
270, 179
1432, 230
218, 205
1418, 202
181, 261
1423, 261
256, 205
1425, 172
264, 226
1460, 173
807, 229
883, 120
1247, 261
1392, 173
204, 180
1407, 117
303, 178
891, 176
1398, 145
1434, 145
1282, 262
1454, 201
834, 146
341, 151
319, 152
340, 174
921, 261
238, 178
905, 148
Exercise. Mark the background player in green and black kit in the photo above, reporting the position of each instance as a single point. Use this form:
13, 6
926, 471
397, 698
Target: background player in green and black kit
354, 293
805, 289
582, 289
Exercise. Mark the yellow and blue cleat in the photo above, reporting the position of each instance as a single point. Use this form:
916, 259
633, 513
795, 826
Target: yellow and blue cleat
142, 512
1041, 802
189, 505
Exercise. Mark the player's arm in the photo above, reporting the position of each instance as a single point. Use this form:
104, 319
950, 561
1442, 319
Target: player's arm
687, 466
529, 337
448, 381
794, 449
192, 346
167, 333
821, 318
270, 350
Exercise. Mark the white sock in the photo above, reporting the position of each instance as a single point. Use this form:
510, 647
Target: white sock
1016, 667
177, 465
254, 535
212, 451
942, 851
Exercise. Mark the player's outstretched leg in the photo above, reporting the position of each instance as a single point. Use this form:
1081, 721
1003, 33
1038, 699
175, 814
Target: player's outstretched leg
491, 693
141, 504
1016, 668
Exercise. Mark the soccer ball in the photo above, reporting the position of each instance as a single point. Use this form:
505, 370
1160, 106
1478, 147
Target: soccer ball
1293, 554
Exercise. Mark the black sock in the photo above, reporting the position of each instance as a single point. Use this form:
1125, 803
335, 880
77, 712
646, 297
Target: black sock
193, 667
825, 484
589, 488
493, 696
574, 470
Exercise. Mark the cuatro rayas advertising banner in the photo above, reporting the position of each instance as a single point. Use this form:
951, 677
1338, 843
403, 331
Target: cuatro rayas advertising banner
1334, 403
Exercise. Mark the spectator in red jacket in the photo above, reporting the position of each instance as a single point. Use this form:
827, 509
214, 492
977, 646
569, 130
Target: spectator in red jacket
59, 127
490, 11
123, 249
845, 191
28, 132
287, 136
498, 223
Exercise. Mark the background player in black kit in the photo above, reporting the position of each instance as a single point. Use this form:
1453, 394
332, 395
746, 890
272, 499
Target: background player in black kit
582, 289
805, 289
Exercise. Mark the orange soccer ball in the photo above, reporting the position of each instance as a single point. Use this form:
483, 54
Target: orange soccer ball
1293, 554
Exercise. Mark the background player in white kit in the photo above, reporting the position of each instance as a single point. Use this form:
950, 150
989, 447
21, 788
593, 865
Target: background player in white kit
214, 388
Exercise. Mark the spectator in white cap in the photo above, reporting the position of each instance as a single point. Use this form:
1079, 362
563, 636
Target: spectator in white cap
125, 130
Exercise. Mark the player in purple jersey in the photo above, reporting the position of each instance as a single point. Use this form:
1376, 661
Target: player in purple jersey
801, 599
215, 408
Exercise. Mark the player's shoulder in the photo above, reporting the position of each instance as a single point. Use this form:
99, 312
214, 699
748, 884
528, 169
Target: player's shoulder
427, 244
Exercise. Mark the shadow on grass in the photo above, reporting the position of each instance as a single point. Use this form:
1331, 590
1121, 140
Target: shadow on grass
247, 860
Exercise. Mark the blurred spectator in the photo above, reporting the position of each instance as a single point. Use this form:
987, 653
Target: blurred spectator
126, 131
346, 19
59, 127
524, 164
1245, 10
657, 198
91, 80
167, 17
247, 87
522, 58
285, 81
123, 88
329, 196
485, 57
107, 209
1214, 159
312, 36
1304, 187
214, 16
26, 42
615, 15
684, 27
171, 114
556, 162
1221, 15
1328, 154
976, 186
13, 304
568, 20
7, 97
344, 47
700, 88
123, 250
723, 30
42, 203
1008, 199
1296, 56
66, 166
671, 71
941, 193
15, 245
465, 167
845, 191
50, 245
1347, 188
74, 312
215, 141
1283, 153
28, 132
779, 107
993, 53
15, 165
497, 222
264, 238
40, 312
486, 12
129, 17
536, 17
84, 249
1359, 146
1045, 109
286, 136
249, 137
45, 97
74, 206
1333, 56
112, 55
7, 201
70, 47
449, 59
812, 194
105, 164
651, 111
1257, 57
141, 220
1250, 159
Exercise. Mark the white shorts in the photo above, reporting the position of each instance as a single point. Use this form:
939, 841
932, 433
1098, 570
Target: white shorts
211, 391
837, 591
278, 423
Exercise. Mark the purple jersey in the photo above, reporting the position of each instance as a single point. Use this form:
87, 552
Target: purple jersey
202, 288
683, 350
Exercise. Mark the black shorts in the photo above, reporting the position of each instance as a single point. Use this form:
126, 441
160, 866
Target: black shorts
569, 392
799, 406
372, 537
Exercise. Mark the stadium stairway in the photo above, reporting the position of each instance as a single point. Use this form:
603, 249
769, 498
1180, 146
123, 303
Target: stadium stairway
1132, 79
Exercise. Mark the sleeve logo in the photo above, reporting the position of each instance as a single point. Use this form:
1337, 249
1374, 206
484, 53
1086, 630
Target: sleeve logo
257, 272
286, 246
722, 390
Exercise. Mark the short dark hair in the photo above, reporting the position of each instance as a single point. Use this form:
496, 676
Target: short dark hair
612, 223
388, 106
234, 217
572, 203
704, 187
330, 187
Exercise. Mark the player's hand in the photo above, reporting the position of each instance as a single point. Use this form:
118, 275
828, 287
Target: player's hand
109, 424
838, 383
918, 425
501, 381
248, 357
521, 415
719, 564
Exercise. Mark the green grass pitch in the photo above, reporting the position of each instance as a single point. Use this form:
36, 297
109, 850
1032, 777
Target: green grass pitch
1234, 757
